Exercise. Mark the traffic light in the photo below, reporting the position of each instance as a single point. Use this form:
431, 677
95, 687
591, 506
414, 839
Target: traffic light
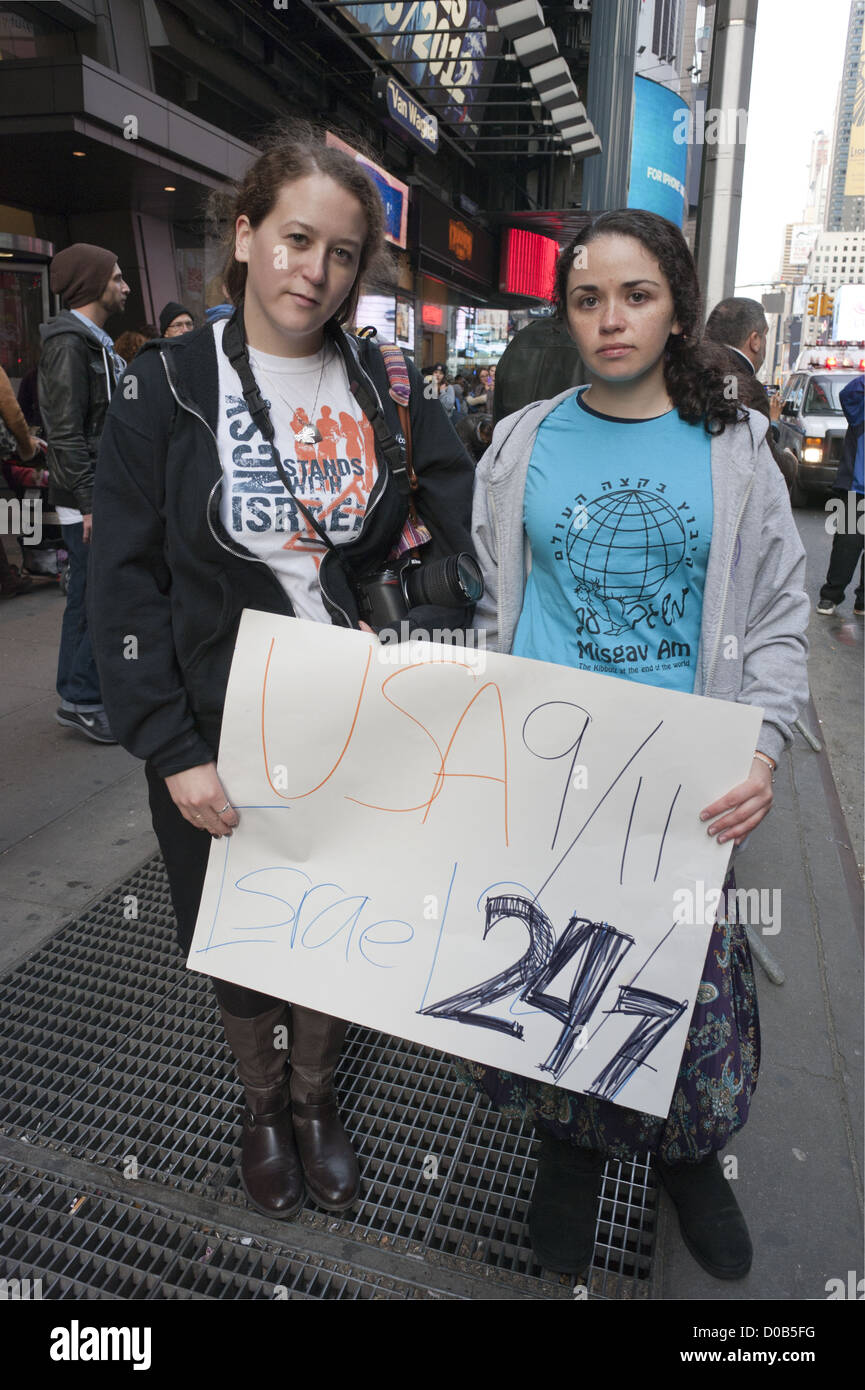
813, 305
827, 303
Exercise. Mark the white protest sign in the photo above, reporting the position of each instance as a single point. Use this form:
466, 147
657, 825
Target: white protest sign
477, 852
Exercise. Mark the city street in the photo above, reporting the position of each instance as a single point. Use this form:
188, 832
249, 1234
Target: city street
453, 337
75, 829
836, 671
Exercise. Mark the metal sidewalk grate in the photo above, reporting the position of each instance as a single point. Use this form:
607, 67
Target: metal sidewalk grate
84, 1244
113, 1053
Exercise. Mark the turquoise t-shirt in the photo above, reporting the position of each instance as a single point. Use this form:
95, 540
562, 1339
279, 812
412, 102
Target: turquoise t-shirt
619, 517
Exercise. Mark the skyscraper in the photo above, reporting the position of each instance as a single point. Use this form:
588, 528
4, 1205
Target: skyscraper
818, 179
846, 203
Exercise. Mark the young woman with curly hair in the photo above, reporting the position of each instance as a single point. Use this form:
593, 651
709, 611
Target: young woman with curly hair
650, 506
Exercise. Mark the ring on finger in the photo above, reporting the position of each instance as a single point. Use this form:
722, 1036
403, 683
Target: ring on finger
224, 809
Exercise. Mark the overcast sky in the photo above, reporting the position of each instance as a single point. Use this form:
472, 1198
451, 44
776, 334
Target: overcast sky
798, 56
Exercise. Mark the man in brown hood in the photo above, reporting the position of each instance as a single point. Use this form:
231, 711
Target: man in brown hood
78, 371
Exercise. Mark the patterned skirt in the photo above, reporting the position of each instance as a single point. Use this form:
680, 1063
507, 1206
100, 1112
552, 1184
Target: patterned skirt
714, 1087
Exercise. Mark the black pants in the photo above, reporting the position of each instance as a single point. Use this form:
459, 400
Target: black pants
77, 677
847, 549
185, 851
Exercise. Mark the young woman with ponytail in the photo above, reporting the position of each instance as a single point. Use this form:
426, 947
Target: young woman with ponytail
220, 448
663, 550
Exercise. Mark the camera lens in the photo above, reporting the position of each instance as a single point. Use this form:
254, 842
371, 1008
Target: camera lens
448, 583
471, 580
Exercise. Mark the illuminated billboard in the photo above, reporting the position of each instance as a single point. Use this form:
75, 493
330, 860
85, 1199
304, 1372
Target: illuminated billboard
528, 263
393, 193
658, 161
439, 48
848, 323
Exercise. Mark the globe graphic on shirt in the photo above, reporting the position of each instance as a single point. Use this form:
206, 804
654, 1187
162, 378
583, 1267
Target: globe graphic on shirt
625, 545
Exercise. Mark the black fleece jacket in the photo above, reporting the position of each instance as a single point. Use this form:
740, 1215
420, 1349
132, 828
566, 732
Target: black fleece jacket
167, 584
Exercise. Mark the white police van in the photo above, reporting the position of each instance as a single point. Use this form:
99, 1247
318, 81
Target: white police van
812, 424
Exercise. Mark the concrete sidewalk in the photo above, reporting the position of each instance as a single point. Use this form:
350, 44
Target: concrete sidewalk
74, 822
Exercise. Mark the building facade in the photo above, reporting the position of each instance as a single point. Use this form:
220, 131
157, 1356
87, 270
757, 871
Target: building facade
838, 258
845, 209
126, 122
818, 179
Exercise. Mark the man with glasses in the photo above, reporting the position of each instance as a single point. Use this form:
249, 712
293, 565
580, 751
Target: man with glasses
175, 320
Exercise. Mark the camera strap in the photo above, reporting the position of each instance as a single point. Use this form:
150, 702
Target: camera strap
399, 463
234, 346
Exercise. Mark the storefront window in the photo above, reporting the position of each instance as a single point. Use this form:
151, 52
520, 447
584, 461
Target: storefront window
21, 301
391, 314
477, 337
491, 334
377, 311
191, 281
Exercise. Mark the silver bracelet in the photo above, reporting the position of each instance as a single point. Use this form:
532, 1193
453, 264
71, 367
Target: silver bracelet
764, 758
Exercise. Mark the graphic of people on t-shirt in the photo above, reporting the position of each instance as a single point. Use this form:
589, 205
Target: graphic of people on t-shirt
333, 477
628, 549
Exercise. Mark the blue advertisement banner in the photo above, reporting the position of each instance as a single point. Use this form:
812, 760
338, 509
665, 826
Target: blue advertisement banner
394, 194
394, 197
658, 163
440, 46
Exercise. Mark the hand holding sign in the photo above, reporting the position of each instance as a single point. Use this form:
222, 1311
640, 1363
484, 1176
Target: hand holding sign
474, 851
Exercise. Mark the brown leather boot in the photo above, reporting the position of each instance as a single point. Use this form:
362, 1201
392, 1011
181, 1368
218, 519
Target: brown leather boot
329, 1163
269, 1165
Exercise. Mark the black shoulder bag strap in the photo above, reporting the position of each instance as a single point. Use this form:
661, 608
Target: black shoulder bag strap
234, 346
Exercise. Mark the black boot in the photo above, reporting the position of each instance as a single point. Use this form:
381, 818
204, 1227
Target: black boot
270, 1171
712, 1226
329, 1163
564, 1206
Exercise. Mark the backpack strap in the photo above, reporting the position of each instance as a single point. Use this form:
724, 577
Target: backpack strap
399, 390
397, 373
368, 401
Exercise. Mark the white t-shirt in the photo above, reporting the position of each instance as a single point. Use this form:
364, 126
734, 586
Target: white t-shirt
333, 478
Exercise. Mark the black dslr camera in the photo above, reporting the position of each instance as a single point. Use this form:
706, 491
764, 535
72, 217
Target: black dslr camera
385, 597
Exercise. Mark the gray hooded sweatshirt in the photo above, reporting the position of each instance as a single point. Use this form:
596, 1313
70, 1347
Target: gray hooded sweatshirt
755, 612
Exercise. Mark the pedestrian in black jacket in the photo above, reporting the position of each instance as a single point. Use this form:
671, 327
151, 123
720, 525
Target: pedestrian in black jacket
740, 325
197, 518
849, 490
78, 370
